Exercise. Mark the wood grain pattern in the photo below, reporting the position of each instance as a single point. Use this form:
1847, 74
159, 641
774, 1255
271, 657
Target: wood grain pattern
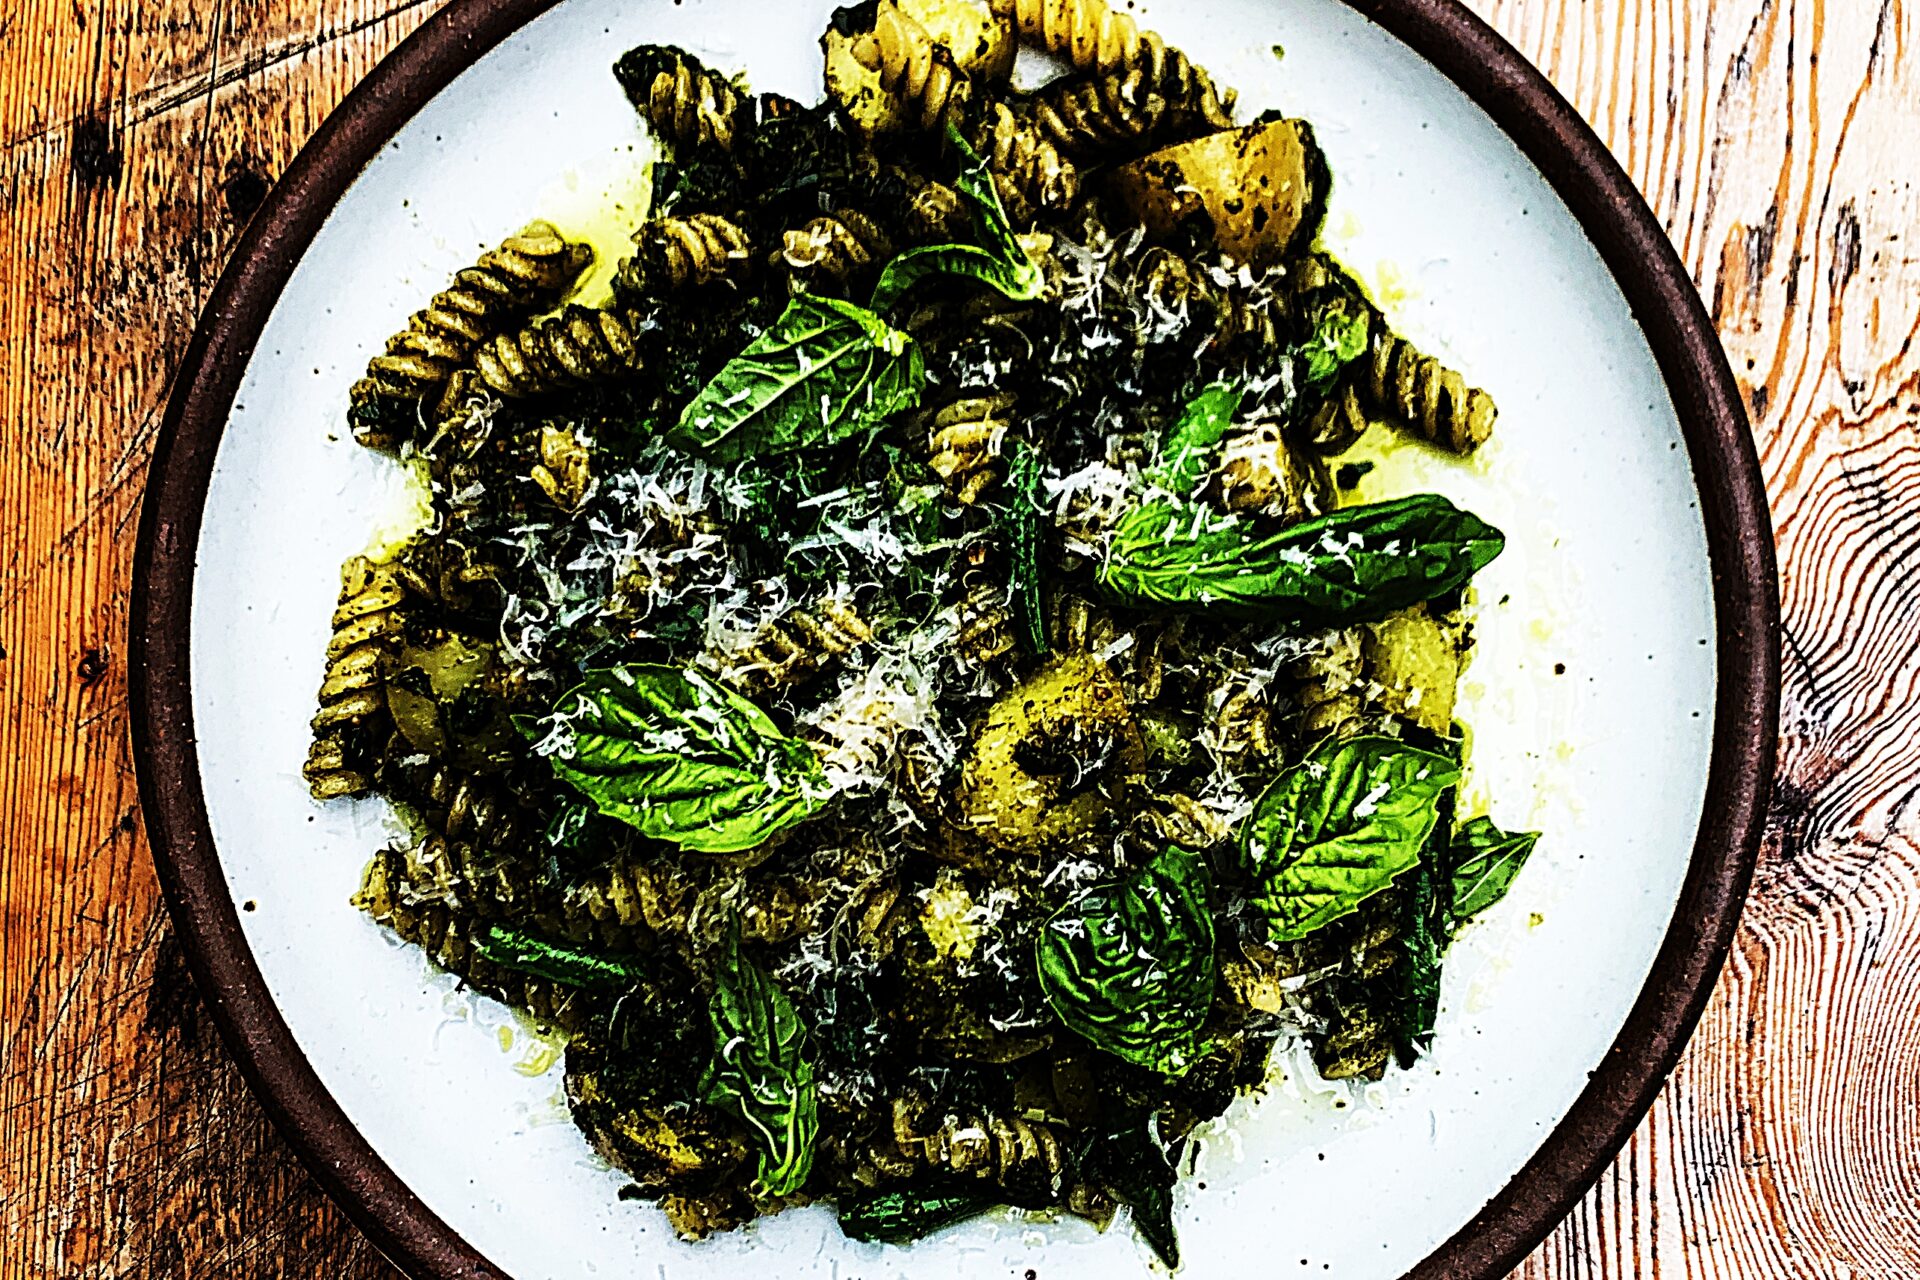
135, 139
1774, 140
1772, 137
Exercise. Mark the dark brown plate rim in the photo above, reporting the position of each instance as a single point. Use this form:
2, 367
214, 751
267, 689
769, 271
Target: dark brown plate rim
1517, 97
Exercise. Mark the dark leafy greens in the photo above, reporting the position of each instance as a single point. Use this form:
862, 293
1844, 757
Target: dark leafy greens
677, 757
1021, 519
1338, 828
760, 1072
1357, 564
1130, 966
569, 966
1130, 1162
905, 1214
1463, 870
1415, 1004
826, 371
1425, 930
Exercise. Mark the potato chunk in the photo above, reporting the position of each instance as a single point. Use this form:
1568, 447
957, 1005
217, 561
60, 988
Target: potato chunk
1261, 187
1414, 660
1051, 757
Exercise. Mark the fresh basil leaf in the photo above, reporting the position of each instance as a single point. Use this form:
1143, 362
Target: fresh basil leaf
1128, 1160
1338, 336
827, 370
1187, 456
1338, 828
1021, 518
1357, 564
906, 1214
679, 758
1021, 281
975, 182
1486, 859
569, 966
1002, 262
760, 1072
1130, 966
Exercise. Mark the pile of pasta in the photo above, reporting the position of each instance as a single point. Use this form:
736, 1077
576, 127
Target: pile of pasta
797, 776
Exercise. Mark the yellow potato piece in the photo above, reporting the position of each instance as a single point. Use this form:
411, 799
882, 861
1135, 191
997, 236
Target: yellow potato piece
1259, 185
1414, 659
1071, 712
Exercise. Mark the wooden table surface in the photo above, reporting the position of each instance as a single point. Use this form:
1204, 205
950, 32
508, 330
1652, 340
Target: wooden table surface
1775, 139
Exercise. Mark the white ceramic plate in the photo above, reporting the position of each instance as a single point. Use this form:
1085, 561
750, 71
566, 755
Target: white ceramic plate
1592, 695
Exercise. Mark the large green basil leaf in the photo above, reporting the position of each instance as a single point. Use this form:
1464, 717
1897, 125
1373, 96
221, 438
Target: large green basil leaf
677, 757
827, 370
1338, 828
1485, 861
1130, 966
1187, 456
1357, 564
760, 1071
906, 1214
569, 966
1002, 262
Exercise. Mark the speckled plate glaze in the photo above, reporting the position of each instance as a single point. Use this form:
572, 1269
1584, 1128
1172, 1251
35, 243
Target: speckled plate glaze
1624, 697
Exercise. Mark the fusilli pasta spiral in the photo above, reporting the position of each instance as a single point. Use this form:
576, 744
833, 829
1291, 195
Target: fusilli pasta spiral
1422, 395
672, 254
687, 104
1029, 171
1088, 33
352, 722
387, 897
836, 250
1127, 111
966, 439
936, 212
929, 89
577, 348
528, 271
1025, 1158
1183, 294
795, 647
983, 626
